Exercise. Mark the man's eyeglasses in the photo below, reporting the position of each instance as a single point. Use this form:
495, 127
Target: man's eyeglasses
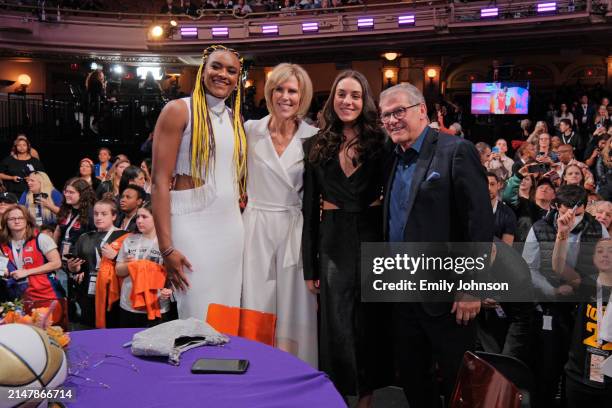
15, 219
398, 114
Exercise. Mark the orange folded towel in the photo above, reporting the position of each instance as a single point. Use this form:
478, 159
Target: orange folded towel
108, 285
147, 279
250, 324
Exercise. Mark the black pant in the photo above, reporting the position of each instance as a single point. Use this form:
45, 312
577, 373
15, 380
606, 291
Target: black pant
552, 352
580, 395
129, 319
422, 340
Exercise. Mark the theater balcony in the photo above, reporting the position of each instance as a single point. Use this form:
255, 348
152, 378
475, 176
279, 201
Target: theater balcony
432, 27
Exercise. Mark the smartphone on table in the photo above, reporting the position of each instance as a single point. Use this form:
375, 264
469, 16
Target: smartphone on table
219, 366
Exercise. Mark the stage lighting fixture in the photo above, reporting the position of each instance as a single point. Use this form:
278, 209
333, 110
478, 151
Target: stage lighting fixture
406, 20
117, 69
173, 23
95, 66
365, 23
189, 32
310, 27
492, 12
157, 31
220, 32
547, 7
270, 29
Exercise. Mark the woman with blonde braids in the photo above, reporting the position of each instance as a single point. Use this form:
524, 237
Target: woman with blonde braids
199, 169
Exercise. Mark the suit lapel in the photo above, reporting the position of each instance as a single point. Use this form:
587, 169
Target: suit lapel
423, 162
264, 150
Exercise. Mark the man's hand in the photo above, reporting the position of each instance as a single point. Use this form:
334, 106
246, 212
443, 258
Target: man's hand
466, 309
565, 222
313, 286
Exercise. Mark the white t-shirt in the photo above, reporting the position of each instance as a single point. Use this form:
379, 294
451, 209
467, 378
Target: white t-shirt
138, 247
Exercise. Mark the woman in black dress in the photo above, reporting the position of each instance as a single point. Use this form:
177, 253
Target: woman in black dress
342, 208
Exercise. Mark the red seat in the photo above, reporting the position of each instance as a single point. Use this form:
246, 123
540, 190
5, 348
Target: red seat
479, 384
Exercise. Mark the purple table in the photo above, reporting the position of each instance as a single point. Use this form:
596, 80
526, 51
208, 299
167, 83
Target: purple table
274, 378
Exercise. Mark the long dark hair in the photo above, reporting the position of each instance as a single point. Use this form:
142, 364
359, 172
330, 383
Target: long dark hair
129, 174
87, 198
370, 136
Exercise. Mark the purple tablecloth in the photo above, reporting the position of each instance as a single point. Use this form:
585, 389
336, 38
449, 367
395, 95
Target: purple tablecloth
274, 378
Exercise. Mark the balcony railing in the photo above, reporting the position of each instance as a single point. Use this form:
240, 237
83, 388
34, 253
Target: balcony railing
112, 31
63, 117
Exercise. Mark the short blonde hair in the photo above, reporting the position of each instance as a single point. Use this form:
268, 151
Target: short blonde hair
281, 73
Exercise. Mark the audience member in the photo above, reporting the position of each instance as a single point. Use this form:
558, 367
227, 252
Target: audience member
87, 173
132, 198
41, 198
140, 258
102, 168
92, 263
17, 165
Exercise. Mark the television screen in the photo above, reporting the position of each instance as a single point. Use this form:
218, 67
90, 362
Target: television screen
500, 98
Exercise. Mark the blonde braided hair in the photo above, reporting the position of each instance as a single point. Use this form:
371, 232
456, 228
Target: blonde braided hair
202, 136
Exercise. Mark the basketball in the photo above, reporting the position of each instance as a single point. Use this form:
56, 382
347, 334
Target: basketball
29, 359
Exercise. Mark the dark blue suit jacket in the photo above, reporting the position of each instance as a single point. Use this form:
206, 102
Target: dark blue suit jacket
450, 206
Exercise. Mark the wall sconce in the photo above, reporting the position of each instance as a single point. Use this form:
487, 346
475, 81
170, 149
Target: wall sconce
389, 74
431, 73
248, 83
390, 56
23, 80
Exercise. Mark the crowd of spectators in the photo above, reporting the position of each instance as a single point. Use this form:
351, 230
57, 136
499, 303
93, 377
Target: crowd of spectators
243, 7
550, 183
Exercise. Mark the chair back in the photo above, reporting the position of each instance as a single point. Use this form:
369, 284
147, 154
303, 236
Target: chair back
480, 385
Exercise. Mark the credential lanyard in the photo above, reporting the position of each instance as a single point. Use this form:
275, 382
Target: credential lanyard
102, 243
600, 314
17, 255
70, 225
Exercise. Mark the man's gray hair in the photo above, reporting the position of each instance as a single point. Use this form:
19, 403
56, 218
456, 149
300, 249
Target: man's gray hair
412, 93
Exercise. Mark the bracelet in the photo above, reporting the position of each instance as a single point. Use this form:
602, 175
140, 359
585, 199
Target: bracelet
166, 252
562, 236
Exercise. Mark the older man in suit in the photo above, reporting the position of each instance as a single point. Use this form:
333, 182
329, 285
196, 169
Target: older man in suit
436, 192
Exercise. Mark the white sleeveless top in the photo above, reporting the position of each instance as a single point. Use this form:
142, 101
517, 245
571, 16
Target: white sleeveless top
219, 117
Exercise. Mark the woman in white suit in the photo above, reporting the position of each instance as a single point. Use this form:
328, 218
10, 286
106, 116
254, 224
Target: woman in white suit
273, 280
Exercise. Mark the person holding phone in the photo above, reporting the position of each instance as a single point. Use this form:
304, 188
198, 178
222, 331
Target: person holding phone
499, 160
18, 164
85, 261
41, 198
32, 258
544, 150
74, 219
